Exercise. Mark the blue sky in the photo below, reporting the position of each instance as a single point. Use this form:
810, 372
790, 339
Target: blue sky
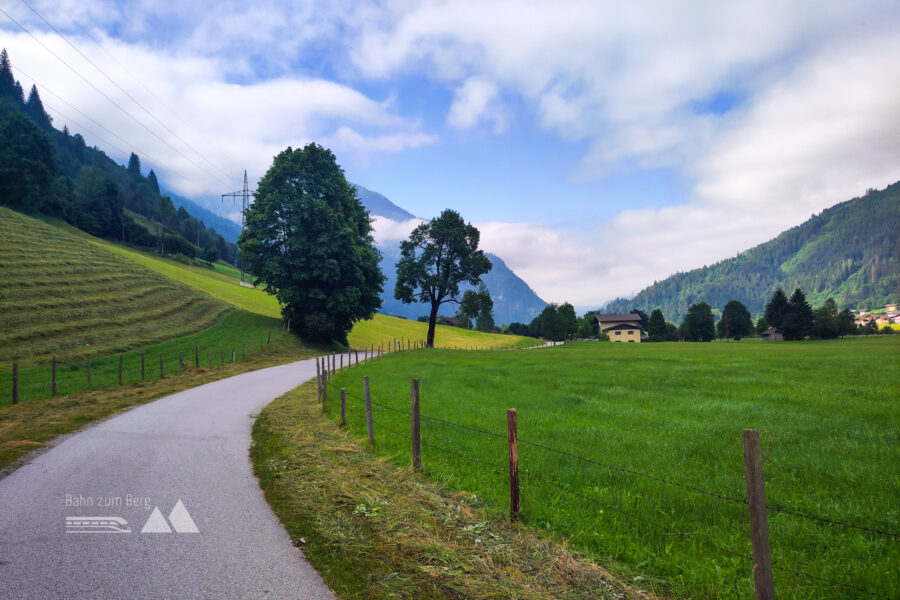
599, 146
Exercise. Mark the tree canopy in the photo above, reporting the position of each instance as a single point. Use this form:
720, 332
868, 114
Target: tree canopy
438, 257
308, 238
735, 322
699, 324
656, 326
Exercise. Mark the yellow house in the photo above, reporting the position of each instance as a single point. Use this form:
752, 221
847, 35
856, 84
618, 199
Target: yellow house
620, 328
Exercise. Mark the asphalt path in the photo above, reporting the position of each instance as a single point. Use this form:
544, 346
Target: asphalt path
222, 541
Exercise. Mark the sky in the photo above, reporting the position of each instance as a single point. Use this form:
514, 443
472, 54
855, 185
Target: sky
598, 146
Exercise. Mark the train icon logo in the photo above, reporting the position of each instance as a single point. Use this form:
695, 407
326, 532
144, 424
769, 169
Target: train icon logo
96, 525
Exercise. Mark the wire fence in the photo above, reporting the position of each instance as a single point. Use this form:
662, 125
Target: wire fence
448, 452
63, 378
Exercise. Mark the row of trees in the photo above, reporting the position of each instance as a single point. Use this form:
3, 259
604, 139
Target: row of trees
793, 316
44, 170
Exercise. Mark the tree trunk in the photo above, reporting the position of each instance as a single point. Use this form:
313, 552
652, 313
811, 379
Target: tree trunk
432, 321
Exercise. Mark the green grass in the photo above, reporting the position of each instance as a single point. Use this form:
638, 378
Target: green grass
63, 295
827, 413
238, 330
377, 531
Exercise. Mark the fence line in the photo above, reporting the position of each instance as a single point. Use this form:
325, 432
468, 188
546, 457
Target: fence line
660, 528
93, 373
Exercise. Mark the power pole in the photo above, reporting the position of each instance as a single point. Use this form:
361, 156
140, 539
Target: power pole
245, 196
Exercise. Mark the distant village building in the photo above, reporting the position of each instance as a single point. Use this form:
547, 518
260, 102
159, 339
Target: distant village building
772, 334
891, 308
620, 328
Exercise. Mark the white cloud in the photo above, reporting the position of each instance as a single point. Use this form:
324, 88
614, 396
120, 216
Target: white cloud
388, 232
476, 101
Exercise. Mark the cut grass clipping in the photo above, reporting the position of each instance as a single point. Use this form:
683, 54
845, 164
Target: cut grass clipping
374, 530
828, 426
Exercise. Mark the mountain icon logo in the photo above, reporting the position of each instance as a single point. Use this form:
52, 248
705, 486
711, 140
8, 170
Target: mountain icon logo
180, 519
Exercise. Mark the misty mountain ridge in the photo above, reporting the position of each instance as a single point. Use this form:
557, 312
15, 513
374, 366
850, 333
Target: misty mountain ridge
849, 252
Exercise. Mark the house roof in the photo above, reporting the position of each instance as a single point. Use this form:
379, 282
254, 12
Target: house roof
771, 330
616, 318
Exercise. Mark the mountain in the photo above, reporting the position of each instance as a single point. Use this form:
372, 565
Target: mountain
227, 228
514, 300
381, 206
849, 252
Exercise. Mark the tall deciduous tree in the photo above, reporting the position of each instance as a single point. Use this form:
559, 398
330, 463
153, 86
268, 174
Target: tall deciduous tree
309, 239
735, 322
699, 324
436, 259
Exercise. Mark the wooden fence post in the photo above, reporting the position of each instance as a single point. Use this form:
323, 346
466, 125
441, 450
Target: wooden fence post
269, 341
342, 361
15, 383
233, 355
53, 379
415, 432
221, 357
89, 372
759, 521
368, 398
181, 361
121, 359
243, 350
160, 365
318, 381
513, 439
142, 366
343, 406
325, 377
196, 356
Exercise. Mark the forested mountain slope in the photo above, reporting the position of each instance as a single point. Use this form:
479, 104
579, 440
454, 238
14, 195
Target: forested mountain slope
850, 252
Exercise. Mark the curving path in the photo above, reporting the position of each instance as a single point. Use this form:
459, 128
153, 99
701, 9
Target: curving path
222, 541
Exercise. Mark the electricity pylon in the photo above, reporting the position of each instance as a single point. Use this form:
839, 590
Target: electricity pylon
244, 194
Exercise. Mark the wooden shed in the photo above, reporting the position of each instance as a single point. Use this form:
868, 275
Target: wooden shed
773, 335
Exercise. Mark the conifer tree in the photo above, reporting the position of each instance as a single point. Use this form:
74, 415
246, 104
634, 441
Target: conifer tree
656, 327
798, 320
34, 108
776, 309
7, 81
154, 184
134, 165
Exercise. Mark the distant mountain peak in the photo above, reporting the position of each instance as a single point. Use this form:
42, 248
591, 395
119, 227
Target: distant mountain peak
380, 206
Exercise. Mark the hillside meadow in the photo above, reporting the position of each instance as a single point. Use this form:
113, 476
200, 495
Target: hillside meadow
827, 414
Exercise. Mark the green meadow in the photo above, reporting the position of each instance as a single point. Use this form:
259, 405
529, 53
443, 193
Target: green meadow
827, 413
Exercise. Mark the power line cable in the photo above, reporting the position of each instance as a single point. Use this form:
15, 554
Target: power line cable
99, 91
139, 82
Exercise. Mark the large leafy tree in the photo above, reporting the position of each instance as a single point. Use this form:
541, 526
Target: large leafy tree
437, 258
699, 324
735, 322
308, 238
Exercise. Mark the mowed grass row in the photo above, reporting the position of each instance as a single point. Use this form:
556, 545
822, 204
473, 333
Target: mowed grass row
382, 329
829, 425
63, 295
239, 331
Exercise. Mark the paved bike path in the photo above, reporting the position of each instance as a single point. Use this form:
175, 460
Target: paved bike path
191, 446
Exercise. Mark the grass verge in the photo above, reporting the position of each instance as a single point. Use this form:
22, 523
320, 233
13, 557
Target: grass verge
375, 530
32, 425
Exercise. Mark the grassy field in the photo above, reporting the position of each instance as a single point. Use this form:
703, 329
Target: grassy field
63, 295
827, 413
